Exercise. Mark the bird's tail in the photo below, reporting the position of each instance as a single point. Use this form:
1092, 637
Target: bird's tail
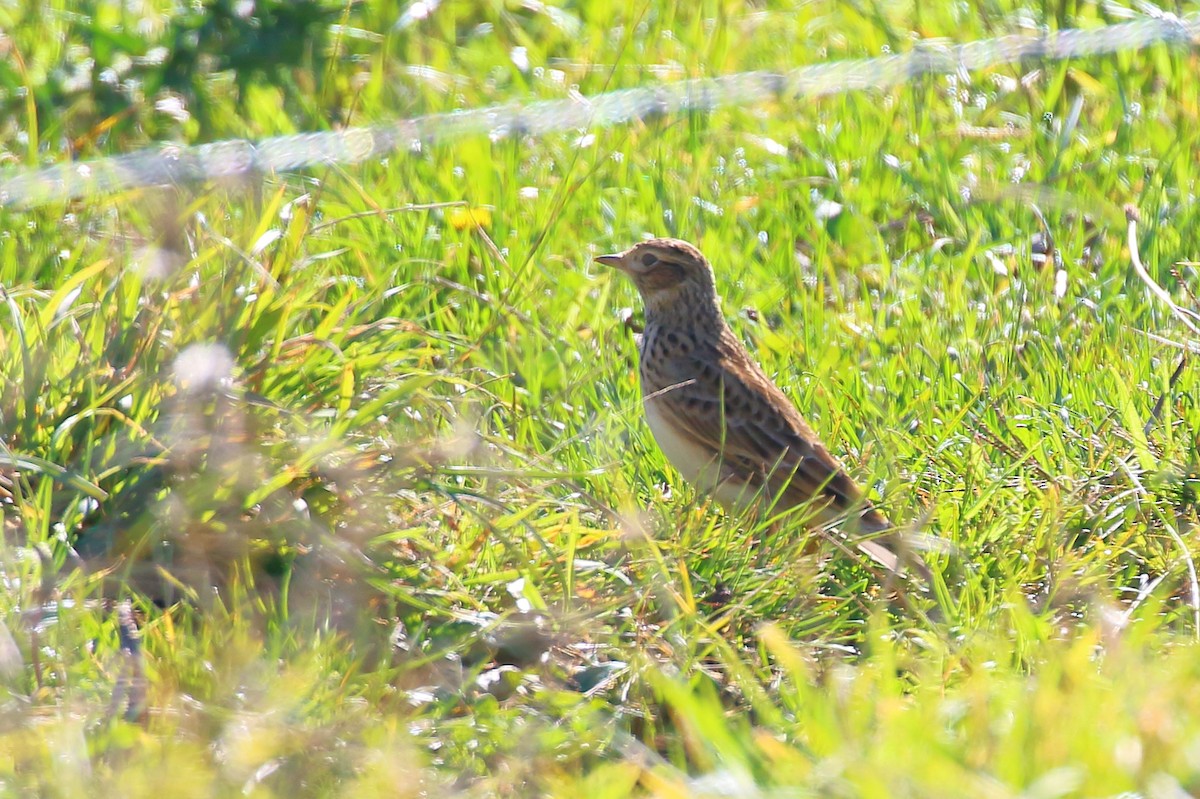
891, 548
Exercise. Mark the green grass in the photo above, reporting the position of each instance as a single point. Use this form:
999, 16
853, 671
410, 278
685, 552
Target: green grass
376, 480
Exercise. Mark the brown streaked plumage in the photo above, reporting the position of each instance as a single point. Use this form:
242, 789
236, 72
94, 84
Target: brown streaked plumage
716, 415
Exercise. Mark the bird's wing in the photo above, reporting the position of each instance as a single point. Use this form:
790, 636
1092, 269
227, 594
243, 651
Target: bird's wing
726, 402
761, 436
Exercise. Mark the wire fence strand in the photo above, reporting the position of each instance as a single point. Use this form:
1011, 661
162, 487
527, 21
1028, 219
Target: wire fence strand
242, 159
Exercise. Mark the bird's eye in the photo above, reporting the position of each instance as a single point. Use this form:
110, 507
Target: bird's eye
649, 259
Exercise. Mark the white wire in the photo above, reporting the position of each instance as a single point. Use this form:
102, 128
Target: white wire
241, 159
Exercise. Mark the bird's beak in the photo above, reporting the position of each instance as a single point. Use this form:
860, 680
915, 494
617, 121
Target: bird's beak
617, 260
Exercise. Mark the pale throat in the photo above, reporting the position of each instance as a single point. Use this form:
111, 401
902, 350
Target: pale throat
688, 306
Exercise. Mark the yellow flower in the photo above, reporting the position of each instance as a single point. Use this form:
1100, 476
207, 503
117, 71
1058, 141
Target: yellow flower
462, 218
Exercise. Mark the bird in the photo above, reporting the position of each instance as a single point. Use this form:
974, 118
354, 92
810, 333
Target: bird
724, 425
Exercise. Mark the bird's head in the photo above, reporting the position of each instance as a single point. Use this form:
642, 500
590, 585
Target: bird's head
671, 275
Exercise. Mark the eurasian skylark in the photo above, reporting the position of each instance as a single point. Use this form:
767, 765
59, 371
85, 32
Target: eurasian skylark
719, 419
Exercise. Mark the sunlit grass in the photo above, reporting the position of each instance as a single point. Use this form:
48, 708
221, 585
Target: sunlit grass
364, 449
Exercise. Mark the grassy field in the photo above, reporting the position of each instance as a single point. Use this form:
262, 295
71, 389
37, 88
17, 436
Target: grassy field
362, 447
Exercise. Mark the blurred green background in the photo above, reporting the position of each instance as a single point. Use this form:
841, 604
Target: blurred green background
362, 450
